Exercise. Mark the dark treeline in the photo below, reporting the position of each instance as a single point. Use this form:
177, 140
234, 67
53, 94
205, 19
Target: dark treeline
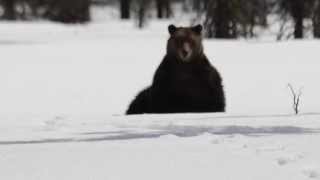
65, 11
221, 18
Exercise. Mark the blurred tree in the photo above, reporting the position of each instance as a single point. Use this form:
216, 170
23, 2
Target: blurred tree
234, 18
200, 5
125, 9
298, 10
163, 8
251, 13
316, 19
219, 20
36, 6
68, 11
9, 9
196, 5
141, 10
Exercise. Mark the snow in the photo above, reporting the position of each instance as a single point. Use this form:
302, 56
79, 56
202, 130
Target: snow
64, 91
167, 147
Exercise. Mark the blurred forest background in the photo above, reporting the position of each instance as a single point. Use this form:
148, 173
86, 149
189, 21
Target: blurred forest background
228, 19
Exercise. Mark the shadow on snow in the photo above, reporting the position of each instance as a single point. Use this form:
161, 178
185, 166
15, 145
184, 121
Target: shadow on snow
177, 130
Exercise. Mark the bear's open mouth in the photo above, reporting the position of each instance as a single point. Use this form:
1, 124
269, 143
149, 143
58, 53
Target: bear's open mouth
185, 53
185, 56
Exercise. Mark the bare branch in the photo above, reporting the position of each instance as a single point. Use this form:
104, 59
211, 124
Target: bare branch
296, 98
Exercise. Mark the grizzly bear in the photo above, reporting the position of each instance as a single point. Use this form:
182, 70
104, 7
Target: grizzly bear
185, 81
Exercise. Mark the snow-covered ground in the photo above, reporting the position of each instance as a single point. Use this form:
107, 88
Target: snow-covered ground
190, 146
64, 91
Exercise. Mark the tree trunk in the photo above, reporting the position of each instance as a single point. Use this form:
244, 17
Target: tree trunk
168, 8
71, 11
163, 9
125, 9
298, 15
222, 20
219, 22
298, 28
316, 21
9, 12
160, 5
316, 29
142, 13
196, 5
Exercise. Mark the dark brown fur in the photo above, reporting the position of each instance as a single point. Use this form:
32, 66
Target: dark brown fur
185, 81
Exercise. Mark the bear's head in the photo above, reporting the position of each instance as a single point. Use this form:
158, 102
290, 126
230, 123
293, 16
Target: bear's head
185, 43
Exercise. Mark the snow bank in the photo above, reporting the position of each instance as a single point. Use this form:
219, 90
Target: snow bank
64, 89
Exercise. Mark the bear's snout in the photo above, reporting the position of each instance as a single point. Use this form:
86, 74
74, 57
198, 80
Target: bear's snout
185, 52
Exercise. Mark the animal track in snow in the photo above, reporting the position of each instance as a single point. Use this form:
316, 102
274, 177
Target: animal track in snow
283, 160
270, 149
54, 123
311, 172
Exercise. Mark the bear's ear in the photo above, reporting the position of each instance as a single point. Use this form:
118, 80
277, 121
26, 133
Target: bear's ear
197, 29
172, 29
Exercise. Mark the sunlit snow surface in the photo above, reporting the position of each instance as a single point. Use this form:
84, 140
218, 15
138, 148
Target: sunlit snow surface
64, 90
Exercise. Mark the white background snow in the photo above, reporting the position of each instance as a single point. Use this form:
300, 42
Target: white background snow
64, 91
